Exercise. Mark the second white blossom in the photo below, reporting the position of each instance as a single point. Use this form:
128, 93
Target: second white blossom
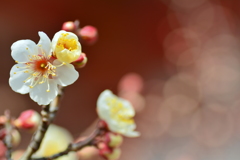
118, 113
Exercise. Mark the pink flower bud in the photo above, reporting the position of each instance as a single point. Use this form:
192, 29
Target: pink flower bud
104, 149
113, 139
2, 133
88, 34
2, 120
28, 119
88, 152
81, 61
69, 26
2, 149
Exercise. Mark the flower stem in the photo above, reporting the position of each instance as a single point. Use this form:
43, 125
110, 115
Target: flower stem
8, 138
48, 114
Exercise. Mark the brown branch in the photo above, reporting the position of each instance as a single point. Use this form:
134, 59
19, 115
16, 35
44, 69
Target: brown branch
90, 141
7, 142
48, 114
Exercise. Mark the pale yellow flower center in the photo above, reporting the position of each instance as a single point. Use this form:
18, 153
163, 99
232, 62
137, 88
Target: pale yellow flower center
118, 112
64, 43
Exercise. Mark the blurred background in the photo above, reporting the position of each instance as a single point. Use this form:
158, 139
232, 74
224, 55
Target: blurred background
177, 61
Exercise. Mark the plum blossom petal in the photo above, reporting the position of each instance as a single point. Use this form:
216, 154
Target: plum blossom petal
66, 74
16, 80
118, 113
39, 94
45, 42
22, 49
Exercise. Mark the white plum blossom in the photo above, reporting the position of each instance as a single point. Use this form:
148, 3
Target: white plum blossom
66, 46
37, 72
118, 113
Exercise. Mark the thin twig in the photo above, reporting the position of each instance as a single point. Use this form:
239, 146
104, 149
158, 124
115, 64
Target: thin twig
48, 114
90, 141
7, 141
8, 138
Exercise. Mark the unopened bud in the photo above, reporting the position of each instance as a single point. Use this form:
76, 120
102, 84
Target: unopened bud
88, 34
113, 139
81, 61
104, 149
116, 152
2, 133
2, 120
3, 149
16, 137
29, 120
69, 26
88, 152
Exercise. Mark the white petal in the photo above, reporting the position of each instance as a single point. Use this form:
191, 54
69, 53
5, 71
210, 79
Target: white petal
56, 37
16, 80
71, 36
22, 49
15, 69
66, 74
129, 110
102, 97
102, 107
132, 134
45, 43
40, 95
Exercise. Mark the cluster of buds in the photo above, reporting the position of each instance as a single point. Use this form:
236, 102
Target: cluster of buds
87, 34
8, 129
28, 120
110, 142
109, 148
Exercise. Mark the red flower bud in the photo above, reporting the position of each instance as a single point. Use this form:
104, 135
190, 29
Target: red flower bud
88, 34
81, 61
2, 120
104, 149
28, 119
3, 149
69, 26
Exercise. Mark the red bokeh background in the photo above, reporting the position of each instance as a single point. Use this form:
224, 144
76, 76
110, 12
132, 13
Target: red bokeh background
131, 39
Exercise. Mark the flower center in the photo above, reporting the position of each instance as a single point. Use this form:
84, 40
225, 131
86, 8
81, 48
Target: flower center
66, 43
40, 68
40, 65
118, 111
